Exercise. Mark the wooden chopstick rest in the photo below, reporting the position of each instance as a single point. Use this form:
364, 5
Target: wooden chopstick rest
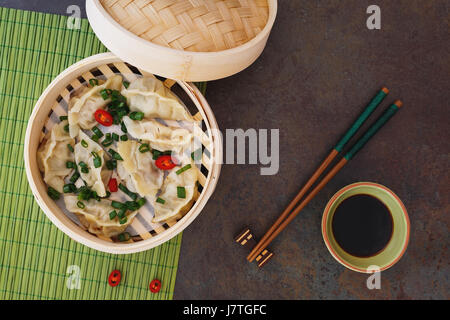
246, 239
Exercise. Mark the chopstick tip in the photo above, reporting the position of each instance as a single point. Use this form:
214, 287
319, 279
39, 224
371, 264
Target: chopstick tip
385, 90
398, 103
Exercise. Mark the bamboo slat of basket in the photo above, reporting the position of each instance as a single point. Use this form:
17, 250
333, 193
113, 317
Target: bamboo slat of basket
200, 26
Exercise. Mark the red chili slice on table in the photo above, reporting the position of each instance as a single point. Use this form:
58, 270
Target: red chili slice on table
155, 286
112, 185
165, 162
103, 117
114, 278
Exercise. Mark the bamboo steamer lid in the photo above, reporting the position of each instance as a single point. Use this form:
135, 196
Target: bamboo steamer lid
189, 40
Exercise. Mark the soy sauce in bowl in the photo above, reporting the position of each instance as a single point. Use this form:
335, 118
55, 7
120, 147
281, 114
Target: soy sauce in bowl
362, 225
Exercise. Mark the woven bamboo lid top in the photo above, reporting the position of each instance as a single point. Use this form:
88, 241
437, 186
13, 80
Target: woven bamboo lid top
191, 25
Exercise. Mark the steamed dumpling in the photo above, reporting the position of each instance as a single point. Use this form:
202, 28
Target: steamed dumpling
161, 137
53, 154
173, 206
95, 216
96, 178
83, 106
138, 170
150, 96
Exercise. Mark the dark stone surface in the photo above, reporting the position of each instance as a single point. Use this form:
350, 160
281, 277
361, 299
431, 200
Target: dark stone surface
319, 69
49, 6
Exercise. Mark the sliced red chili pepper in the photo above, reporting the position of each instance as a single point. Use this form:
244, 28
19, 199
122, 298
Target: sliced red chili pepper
165, 162
103, 117
155, 286
112, 185
114, 278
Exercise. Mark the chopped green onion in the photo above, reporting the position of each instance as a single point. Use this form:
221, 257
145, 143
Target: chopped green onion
136, 115
132, 205
121, 213
95, 195
104, 94
53, 193
144, 148
123, 137
123, 221
115, 137
197, 154
69, 188
156, 154
112, 106
97, 132
97, 162
107, 142
66, 128
62, 118
124, 189
116, 119
121, 112
117, 204
123, 127
95, 138
74, 177
80, 205
84, 167
181, 192
107, 194
111, 164
84, 193
112, 214
70, 165
69, 146
93, 82
84, 143
118, 107
160, 200
115, 94
126, 84
186, 167
141, 202
124, 236
115, 155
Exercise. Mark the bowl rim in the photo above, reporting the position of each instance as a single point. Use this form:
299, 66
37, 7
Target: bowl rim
273, 7
326, 214
88, 239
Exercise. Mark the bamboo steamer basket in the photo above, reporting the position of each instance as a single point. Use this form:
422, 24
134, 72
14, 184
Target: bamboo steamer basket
53, 103
234, 34
188, 40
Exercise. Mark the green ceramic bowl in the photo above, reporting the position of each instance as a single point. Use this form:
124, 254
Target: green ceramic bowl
400, 236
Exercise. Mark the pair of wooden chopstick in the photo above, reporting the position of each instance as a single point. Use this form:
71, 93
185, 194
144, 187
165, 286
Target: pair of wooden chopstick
285, 218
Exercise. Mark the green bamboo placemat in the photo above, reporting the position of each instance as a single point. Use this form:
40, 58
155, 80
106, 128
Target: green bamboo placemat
34, 254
